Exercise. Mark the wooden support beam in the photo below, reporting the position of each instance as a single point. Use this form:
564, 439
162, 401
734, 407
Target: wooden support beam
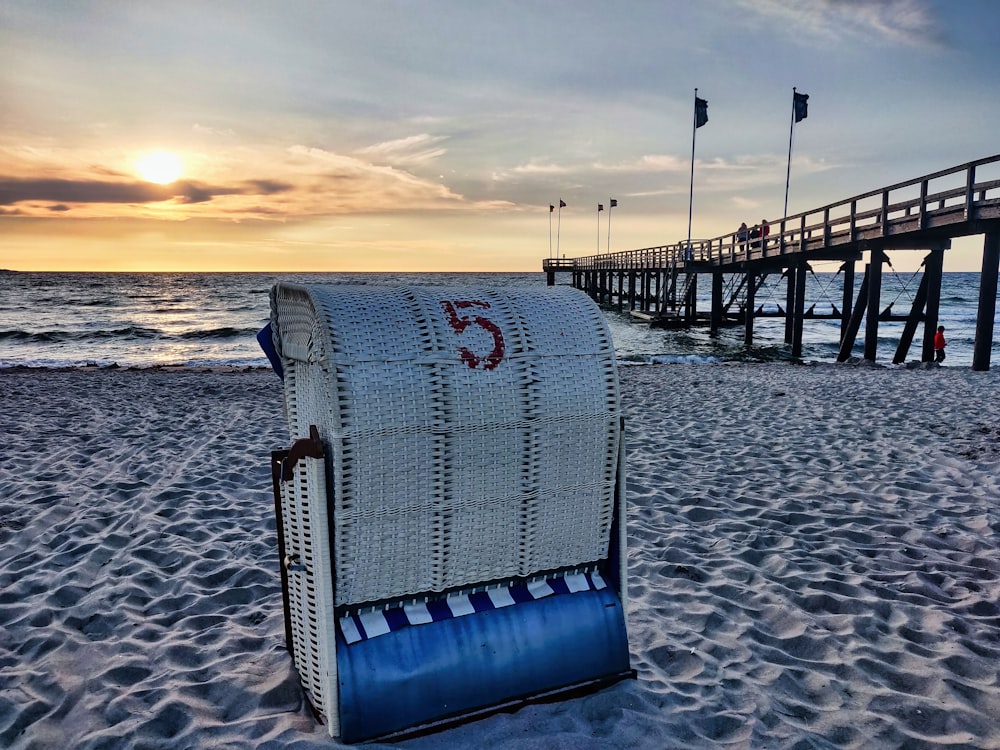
983, 344
922, 211
797, 312
970, 184
749, 308
847, 340
848, 297
691, 298
789, 300
716, 323
910, 327
874, 296
933, 267
735, 289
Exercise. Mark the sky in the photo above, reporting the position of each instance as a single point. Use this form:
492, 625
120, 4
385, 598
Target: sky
433, 135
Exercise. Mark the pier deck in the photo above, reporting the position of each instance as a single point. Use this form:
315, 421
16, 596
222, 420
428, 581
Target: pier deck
659, 284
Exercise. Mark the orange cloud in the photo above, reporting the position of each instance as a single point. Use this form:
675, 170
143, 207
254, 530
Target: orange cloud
232, 184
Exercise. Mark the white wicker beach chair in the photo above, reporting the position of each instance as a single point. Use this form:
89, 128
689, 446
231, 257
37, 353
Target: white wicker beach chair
460, 544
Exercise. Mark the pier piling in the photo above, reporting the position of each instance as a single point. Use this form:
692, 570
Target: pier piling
987, 303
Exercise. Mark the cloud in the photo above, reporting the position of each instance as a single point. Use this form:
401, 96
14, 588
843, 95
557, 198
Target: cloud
206, 130
415, 149
65, 191
233, 184
14, 190
644, 164
538, 169
909, 22
649, 163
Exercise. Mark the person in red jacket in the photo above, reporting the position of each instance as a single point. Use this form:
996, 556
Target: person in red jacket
939, 345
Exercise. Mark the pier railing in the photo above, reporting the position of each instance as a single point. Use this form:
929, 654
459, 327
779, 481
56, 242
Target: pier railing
949, 203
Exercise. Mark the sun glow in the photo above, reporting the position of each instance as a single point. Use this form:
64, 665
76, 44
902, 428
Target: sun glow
161, 167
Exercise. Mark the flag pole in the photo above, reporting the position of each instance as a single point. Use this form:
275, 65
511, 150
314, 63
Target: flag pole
550, 230
559, 225
599, 209
788, 171
694, 130
611, 204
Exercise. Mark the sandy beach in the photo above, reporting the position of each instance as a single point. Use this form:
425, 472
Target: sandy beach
813, 564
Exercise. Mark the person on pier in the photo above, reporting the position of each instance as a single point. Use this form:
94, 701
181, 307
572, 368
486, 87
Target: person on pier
741, 235
759, 234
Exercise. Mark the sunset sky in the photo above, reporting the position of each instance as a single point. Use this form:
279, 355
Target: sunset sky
434, 135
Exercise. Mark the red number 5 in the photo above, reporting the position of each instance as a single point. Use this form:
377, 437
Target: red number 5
461, 322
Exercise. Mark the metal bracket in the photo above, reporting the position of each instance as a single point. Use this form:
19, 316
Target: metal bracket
310, 447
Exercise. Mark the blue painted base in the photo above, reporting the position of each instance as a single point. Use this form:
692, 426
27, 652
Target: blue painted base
443, 669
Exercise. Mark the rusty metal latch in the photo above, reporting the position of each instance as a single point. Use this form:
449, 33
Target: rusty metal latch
310, 447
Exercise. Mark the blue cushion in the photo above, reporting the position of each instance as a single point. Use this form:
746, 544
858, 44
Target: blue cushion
442, 669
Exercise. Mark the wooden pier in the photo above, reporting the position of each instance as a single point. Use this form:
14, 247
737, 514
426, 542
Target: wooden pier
659, 285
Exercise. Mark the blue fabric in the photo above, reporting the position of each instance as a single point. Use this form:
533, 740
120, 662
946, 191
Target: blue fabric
559, 586
267, 344
481, 602
421, 674
439, 610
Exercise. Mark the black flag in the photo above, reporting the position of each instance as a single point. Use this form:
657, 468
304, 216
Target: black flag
800, 103
562, 203
700, 111
600, 206
614, 202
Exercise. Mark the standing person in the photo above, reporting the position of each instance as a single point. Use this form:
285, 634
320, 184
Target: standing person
741, 235
765, 229
939, 345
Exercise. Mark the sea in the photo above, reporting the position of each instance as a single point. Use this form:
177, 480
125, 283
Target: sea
66, 320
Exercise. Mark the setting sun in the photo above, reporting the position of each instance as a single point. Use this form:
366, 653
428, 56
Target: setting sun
161, 167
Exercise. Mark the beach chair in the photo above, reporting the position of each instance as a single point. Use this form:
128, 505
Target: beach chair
451, 510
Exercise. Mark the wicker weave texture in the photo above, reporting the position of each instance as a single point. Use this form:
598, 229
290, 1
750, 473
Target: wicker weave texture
305, 520
473, 433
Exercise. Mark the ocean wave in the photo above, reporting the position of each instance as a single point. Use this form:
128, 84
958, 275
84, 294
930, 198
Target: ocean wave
635, 360
226, 332
111, 363
48, 337
67, 301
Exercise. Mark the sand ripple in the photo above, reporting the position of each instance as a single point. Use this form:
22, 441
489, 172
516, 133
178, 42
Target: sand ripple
812, 558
